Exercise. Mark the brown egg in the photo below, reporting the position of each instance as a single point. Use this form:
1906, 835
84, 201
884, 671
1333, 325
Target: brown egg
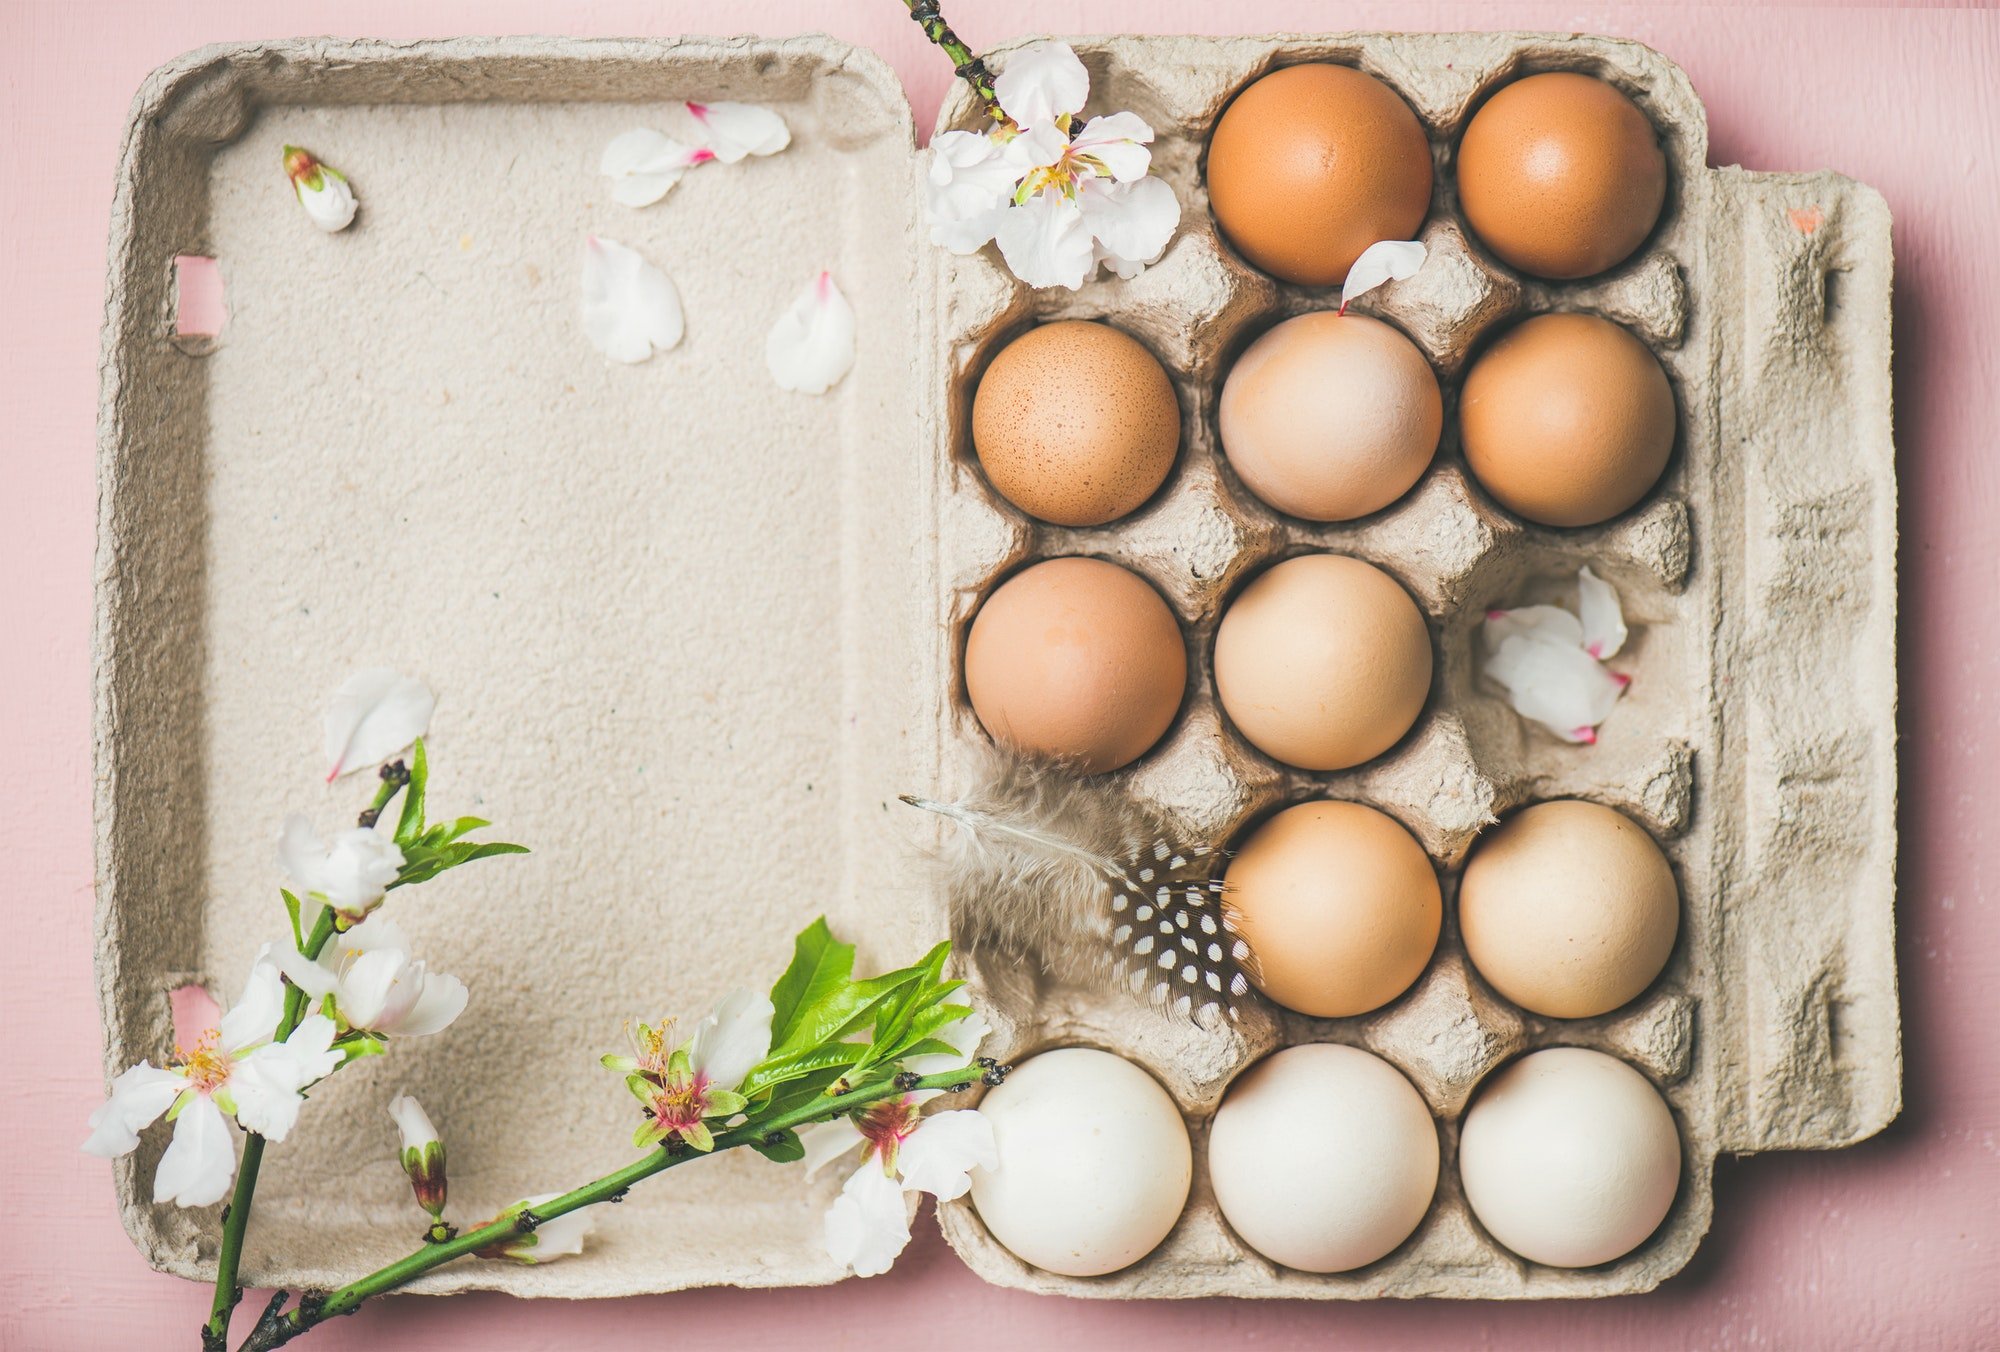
1079, 659
1076, 423
1312, 164
1567, 420
1561, 175
1339, 906
1323, 662
1330, 416
1568, 909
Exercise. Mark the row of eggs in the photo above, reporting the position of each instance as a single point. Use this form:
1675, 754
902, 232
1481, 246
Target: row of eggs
1558, 174
1566, 420
1324, 1158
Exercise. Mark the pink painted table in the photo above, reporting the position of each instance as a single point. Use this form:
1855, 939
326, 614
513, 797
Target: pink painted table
1894, 1244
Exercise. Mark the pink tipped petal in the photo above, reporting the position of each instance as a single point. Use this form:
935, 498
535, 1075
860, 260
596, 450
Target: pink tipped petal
1601, 619
1388, 260
375, 714
1543, 624
644, 165
1558, 686
811, 346
630, 308
735, 130
1587, 736
1624, 680
1042, 82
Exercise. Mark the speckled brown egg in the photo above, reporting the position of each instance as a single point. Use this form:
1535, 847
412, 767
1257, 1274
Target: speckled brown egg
1568, 909
1323, 662
1561, 175
1312, 164
1567, 420
1339, 906
1077, 659
1330, 416
1076, 423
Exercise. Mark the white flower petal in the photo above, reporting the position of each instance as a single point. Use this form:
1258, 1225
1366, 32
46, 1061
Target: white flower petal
826, 1142
438, 1005
268, 1084
552, 1239
728, 1042
812, 345
1386, 260
1117, 141
1563, 688
254, 1017
940, 1155
138, 1097
374, 714
1034, 148
644, 165
368, 985
969, 182
413, 1124
1131, 223
1543, 624
1041, 83
352, 876
200, 1161
1599, 614
868, 1225
734, 130
630, 308
1046, 242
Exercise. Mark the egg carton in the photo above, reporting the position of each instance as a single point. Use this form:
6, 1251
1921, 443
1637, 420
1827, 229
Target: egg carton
693, 636
1756, 742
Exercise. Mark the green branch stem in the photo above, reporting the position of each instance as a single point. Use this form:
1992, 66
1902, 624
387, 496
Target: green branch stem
965, 64
278, 1327
236, 1216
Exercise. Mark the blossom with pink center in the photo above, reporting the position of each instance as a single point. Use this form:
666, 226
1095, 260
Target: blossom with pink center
903, 1152
234, 1069
684, 1089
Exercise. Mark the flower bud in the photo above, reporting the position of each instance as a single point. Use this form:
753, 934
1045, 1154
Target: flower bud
322, 190
422, 1153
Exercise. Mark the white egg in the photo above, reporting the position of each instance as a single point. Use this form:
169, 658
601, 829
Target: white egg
1094, 1163
1570, 1157
1324, 1157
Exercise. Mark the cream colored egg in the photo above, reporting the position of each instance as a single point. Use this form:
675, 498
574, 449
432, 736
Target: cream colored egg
1568, 909
1323, 1157
1570, 1157
1094, 1163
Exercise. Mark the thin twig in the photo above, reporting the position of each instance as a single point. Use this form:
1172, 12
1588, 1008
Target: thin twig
965, 65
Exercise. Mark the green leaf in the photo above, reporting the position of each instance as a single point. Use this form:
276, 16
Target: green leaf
819, 966
778, 1070
444, 833
411, 823
783, 1150
292, 910
355, 1046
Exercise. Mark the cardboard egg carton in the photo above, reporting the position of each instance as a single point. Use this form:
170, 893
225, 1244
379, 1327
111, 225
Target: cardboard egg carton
692, 635
1756, 742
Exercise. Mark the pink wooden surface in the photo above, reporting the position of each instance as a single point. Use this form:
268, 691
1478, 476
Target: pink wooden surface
1892, 1244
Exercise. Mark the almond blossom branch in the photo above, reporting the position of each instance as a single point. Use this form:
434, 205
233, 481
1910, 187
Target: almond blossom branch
236, 1217
965, 65
275, 1328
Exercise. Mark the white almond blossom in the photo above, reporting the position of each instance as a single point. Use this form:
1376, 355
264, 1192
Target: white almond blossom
903, 1151
234, 1069
375, 713
1059, 195
374, 983
812, 345
1551, 660
322, 190
351, 875
644, 165
682, 1087
630, 308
